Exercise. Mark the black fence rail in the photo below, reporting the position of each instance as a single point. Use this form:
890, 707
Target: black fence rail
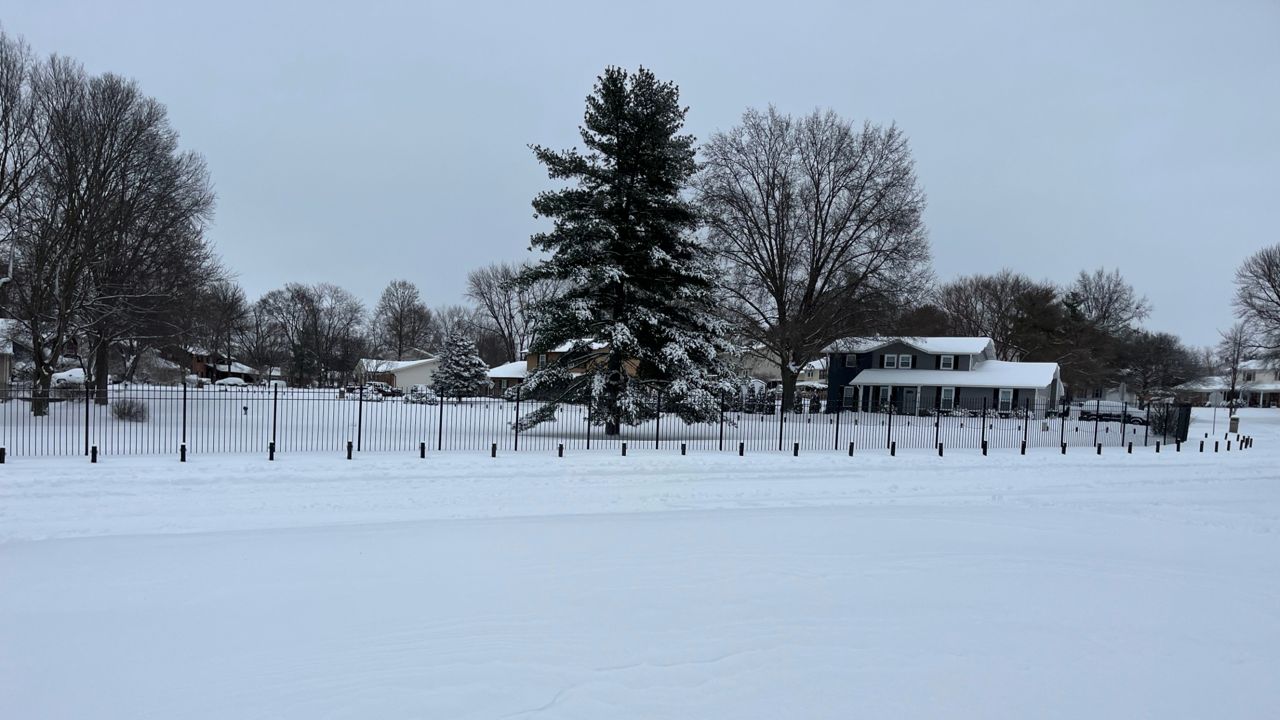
155, 420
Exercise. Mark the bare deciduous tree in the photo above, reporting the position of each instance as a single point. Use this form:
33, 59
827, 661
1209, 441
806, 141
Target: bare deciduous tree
1258, 297
1106, 301
997, 306
321, 325
506, 308
401, 323
813, 220
18, 147
1233, 349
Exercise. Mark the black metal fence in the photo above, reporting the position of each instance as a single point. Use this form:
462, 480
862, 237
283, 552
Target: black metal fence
154, 420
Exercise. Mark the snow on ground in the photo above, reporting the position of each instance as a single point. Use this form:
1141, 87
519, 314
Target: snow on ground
707, 586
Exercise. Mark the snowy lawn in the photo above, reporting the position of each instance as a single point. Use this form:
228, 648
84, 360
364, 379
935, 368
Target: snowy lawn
596, 586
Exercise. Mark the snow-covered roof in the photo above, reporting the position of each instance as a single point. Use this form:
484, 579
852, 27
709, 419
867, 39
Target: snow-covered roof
236, 367
987, 373
567, 346
1212, 383
509, 371
934, 345
1257, 365
375, 365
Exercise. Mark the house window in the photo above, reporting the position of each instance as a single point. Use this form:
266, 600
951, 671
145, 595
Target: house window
542, 359
1006, 400
904, 361
947, 362
885, 393
822, 374
850, 360
948, 400
848, 398
1248, 376
891, 362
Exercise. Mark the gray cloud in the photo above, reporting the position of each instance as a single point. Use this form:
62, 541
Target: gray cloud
355, 143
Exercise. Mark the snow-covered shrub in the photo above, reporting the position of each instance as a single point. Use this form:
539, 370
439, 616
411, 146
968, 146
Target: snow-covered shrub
130, 410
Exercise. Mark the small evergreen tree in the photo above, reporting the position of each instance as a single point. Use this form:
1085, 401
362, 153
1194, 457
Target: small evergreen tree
636, 308
461, 370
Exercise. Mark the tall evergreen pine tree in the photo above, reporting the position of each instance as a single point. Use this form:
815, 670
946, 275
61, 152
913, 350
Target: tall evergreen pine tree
636, 310
461, 372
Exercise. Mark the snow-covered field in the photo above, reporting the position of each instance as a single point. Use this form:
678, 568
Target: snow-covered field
597, 586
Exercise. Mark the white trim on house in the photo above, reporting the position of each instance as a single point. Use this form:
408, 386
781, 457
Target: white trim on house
946, 362
1001, 401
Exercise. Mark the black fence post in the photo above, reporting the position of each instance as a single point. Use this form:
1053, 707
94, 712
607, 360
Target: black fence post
889, 437
850, 448
275, 411
184, 417
984, 426
271, 450
782, 419
560, 450
588, 423
360, 416
657, 427
493, 450
839, 412
93, 454
893, 449
86, 420
440, 427
349, 446
939, 449
795, 449
1097, 417
516, 445
721, 446
741, 447
2, 453
1062, 425
937, 428
624, 449
1026, 423
683, 449
422, 451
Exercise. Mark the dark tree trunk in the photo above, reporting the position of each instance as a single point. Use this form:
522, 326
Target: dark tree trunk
612, 390
100, 365
788, 387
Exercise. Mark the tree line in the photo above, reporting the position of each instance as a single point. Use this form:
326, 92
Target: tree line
666, 261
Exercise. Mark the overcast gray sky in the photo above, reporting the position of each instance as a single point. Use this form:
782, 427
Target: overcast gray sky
360, 142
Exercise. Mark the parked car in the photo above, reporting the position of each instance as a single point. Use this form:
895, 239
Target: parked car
68, 378
231, 382
1111, 411
421, 395
380, 388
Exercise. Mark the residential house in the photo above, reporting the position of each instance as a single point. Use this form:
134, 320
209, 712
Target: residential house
534, 361
397, 373
917, 374
507, 376
1257, 385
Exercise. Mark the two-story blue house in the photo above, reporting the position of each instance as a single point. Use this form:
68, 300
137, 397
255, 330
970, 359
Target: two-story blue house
915, 375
